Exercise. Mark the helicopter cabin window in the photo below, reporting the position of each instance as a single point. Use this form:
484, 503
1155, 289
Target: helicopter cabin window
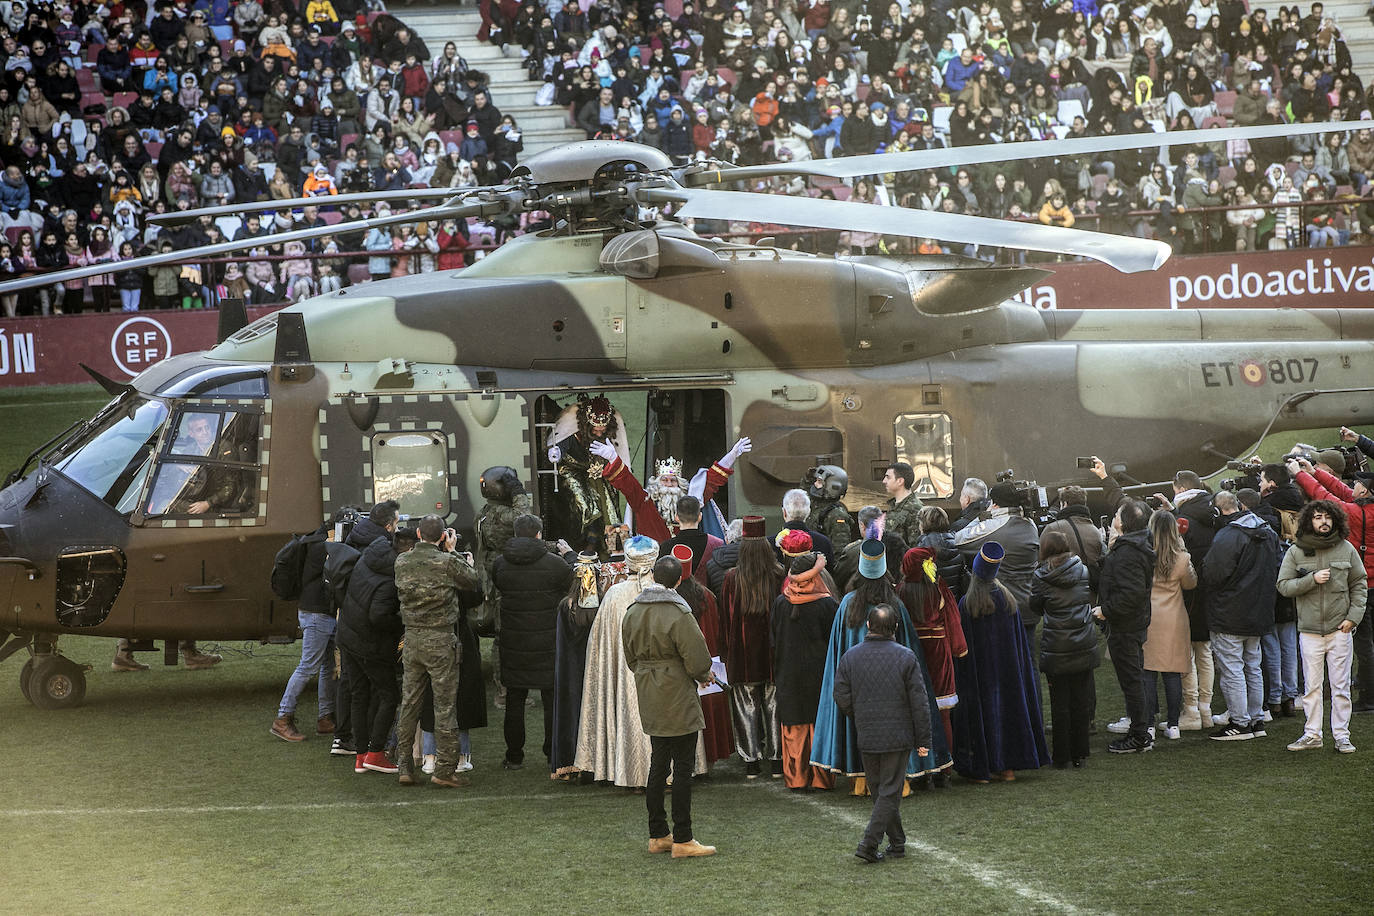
209, 465
925, 441
412, 468
112, 458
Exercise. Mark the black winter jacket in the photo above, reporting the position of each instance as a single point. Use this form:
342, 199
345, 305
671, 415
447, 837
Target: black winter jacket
531, 581
1128, 573
1202, 527
364, 533
1068, 640
723, 559
313, 598
370, 619
878, 684
1241, 572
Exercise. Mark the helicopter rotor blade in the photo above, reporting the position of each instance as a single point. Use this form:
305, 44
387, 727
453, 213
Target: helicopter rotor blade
488, 207
914, 160
178, 217
1125, 253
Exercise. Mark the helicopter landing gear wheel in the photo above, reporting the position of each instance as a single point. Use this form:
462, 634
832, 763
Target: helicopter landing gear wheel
56, 683
25, 675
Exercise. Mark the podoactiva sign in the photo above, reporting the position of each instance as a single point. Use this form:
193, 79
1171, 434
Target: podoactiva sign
1308, 278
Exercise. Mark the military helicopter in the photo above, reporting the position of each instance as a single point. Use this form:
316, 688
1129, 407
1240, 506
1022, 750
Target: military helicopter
158, 518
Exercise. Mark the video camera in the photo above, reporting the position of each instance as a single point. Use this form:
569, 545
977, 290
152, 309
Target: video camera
1354, 460
1029, 497
1249, 478
344, 520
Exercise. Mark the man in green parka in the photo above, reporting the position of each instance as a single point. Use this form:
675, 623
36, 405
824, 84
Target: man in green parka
668, 655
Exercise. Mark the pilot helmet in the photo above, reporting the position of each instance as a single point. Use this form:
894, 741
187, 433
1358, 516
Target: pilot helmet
501, 484
827, 481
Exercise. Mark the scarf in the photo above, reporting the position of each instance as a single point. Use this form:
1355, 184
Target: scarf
803, 588
1311, 542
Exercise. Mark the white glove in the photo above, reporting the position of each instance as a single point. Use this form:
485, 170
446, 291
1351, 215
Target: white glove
602, 449
555, 454
741, 446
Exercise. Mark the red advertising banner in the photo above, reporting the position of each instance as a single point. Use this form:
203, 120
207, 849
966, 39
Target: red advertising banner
1310, 278
48, 351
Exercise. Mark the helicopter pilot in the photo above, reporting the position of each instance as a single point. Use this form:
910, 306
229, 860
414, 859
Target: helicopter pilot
195, 489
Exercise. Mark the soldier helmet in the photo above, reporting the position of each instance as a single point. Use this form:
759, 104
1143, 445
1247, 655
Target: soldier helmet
501, 484
827, 482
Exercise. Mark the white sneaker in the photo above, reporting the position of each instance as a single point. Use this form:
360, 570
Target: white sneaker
1191, 720
1172, 732
1268, 716
1221, 718
1344, 746
1121, 726
464, 763
1205, 714
429, 765
1309, 743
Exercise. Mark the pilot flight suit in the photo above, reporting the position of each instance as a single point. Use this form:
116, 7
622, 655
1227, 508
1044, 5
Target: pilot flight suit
428, 581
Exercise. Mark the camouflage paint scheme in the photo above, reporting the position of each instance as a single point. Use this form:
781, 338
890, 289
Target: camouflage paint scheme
816, 357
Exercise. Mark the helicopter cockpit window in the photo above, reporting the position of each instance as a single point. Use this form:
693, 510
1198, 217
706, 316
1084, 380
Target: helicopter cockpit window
209, 465
112, 458
926, 442
412, 468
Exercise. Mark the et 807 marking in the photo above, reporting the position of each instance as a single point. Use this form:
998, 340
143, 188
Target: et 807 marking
1253, 372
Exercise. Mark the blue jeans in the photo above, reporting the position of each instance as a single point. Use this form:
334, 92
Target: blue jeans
1173, 695
1238, 673
1280, 647
317, 658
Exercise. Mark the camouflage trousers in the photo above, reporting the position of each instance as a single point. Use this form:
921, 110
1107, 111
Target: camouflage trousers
430, 657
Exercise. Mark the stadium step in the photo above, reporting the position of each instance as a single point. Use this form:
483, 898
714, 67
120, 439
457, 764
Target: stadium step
511, 90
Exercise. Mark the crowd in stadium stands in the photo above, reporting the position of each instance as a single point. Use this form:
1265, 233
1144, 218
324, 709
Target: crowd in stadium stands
114, 111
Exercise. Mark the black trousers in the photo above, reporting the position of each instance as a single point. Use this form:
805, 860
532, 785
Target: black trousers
375, 697
1072, 699
515, 722
886, 775
1364, 654
678, 753
1128, 657
343, 699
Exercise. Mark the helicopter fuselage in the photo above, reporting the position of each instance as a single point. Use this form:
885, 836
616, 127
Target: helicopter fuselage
415, 385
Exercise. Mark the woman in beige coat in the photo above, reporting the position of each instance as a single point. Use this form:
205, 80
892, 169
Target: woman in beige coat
1168, 650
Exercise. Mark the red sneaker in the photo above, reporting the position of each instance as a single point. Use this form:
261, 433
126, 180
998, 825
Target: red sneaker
360, 763
379, 762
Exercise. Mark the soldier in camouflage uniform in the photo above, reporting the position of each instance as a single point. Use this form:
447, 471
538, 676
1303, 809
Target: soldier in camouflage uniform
826, 486
904, 504
428, 580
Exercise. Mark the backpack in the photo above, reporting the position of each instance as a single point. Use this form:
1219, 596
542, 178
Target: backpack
289, 565
339, 560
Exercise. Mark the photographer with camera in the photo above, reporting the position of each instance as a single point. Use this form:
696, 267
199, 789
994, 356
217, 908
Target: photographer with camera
1004, 522
429, 578
1075, 522
1318, 483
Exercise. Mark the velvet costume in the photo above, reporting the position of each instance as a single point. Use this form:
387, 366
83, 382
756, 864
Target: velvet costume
836, 744
998, 723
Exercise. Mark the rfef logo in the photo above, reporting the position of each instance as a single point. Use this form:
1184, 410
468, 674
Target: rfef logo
138, 343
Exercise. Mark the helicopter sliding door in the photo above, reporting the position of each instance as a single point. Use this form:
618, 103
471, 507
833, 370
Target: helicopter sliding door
427, 451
